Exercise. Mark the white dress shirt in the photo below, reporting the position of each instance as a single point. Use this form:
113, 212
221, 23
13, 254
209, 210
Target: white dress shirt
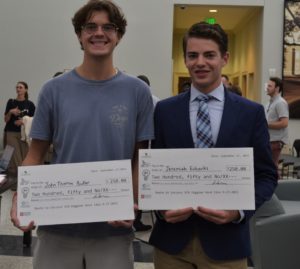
215, 110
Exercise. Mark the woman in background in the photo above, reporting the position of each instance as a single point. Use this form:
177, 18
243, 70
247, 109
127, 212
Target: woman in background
15, 110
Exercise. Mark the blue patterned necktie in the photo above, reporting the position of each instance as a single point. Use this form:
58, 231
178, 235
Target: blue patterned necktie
203, 128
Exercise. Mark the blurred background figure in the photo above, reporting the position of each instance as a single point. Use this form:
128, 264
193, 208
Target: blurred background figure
225, 80
277, 114
146, 80
185, 86
235, 89
15, 110
137, 224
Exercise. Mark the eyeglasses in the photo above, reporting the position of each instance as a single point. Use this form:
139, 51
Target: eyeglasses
92, 28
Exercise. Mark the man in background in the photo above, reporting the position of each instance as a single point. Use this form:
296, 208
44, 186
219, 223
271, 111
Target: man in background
225, 80
277, 113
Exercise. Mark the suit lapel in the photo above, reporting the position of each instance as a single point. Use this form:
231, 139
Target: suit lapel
229, 119
183, 118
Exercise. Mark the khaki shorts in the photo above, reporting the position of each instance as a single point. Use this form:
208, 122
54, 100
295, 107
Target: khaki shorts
65, 252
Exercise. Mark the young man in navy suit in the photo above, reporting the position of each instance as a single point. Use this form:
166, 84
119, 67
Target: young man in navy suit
206, 238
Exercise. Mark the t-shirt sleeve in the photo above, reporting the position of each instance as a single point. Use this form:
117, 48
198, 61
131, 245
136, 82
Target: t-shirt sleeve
9, 106
282, 110
31, 109
41, 125
145, 129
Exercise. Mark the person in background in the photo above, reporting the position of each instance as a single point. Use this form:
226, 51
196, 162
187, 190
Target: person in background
202, 237
186, 86
235, 89
146, 80
277, 113
95, 112
138, 225
225, 81
58, 74
16, 109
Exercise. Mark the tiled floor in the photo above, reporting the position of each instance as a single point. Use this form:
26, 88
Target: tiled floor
14, 256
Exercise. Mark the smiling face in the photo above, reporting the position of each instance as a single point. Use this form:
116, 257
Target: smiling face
100, 43
204, 61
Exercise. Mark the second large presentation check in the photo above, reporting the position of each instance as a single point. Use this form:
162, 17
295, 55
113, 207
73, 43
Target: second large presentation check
217, 178
75, 193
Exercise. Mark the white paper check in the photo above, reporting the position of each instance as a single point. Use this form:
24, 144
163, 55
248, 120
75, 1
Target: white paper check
75, 193
216, 178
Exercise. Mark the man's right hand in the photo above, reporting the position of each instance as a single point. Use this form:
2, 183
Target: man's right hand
14, 218
178, 215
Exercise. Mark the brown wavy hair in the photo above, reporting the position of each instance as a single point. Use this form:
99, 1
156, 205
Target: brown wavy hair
207, 31
115, 15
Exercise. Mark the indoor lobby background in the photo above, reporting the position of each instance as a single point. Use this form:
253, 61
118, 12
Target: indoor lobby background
37, 40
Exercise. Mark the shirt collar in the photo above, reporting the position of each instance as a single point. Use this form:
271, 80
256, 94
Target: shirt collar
277, 96
217, 93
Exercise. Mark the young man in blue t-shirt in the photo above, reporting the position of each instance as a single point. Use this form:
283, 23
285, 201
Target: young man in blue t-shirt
93, 113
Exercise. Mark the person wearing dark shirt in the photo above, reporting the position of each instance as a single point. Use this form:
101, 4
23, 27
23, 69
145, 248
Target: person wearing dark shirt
15, 110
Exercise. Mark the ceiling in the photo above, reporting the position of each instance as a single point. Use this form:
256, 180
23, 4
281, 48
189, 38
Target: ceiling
229, 17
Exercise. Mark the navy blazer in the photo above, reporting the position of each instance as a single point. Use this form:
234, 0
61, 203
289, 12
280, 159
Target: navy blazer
243, 124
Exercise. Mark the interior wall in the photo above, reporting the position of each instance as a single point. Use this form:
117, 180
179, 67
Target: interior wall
272, 34
147, 45
37, 40
246, 56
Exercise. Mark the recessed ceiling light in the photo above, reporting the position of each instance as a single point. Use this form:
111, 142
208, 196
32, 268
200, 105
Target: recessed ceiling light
213, 10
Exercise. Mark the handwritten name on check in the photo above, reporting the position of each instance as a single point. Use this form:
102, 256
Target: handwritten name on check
75, 193
216, 178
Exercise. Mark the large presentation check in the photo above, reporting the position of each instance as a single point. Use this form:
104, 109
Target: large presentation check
75, 193
216, 178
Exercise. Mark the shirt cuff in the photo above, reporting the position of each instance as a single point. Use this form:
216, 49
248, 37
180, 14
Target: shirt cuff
242, 216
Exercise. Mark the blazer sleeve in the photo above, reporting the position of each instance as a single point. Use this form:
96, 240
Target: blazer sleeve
158, 123
265, 172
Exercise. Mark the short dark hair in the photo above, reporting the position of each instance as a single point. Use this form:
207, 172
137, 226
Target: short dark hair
277, 81
115, 15
144, 78
225, 76
58, 74
235, 89
207, 31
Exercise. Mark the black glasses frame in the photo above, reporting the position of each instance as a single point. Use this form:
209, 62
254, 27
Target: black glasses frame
92, 28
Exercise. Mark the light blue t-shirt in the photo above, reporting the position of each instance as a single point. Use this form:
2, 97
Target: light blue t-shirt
89, 120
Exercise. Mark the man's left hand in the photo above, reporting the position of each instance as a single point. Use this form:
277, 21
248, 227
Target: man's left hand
218, 216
